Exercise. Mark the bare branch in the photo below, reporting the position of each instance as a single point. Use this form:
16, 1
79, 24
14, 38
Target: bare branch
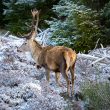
97, 43
6, 34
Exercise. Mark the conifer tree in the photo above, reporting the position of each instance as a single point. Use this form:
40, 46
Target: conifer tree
77, 26
18, 13
1, 14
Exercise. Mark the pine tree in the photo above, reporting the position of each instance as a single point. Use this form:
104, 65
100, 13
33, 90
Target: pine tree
63, 26
18, 13
77, 26
105, 22
1, 14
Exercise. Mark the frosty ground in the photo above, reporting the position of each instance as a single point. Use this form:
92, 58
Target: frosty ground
23, 87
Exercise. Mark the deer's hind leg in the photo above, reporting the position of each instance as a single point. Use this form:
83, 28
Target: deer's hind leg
64, 70
72, 77
65, 75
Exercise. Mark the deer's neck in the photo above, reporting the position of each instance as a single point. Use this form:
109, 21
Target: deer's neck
35, 48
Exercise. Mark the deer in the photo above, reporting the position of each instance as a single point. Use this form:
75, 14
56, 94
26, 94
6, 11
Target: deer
59, 59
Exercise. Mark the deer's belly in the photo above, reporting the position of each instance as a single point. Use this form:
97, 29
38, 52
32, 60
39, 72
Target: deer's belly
53, 67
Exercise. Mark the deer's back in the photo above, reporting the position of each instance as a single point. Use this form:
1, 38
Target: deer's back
52, 57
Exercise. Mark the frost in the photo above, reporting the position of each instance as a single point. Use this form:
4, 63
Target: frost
30, 2
23, 87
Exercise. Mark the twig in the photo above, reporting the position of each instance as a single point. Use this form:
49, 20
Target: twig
101, 46
98, 60
6, 34
97, 43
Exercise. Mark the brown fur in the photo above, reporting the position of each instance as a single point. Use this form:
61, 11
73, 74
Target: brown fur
59, 59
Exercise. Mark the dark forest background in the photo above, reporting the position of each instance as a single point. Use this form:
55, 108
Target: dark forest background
78, 24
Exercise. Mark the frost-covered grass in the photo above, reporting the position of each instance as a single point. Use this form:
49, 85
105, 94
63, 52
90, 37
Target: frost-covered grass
23, 87
97, 96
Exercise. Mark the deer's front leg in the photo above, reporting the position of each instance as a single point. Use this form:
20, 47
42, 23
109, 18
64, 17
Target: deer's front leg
48, 75
57, 75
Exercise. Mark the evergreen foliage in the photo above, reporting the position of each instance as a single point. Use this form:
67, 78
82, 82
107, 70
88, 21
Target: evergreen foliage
79, 23
18, 13
16, 17
1, 14
105, 21
74, 23
88, 29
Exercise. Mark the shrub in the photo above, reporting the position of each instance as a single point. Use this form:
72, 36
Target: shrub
97, 96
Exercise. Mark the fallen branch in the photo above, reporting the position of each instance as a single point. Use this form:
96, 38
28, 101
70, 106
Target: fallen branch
97, 43
6, 34
86, 56
97, 59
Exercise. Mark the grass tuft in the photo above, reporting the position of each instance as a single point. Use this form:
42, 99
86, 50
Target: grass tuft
97, 96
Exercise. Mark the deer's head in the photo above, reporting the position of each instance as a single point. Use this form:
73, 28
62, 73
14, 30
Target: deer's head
30, 37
